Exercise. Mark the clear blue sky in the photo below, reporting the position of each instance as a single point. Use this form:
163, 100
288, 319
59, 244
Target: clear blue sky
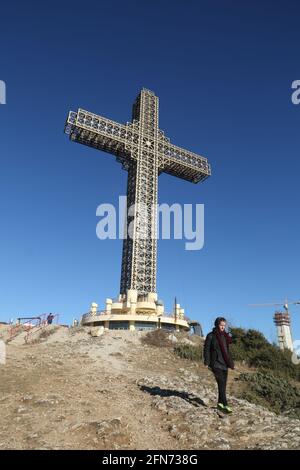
223, 71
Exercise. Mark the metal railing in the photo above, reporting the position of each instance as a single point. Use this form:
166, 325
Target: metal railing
31, 325
99, 312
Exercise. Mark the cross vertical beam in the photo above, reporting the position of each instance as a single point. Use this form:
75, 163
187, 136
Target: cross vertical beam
139, 253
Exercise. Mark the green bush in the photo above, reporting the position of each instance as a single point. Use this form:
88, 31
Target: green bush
188, 351
252, 347
275, 393
246, 343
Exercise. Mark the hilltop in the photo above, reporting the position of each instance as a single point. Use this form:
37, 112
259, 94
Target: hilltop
70, 390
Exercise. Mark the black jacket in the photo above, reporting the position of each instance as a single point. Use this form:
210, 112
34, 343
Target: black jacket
213, 356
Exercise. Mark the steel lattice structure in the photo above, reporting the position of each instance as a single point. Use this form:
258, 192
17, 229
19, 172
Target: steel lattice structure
145, 152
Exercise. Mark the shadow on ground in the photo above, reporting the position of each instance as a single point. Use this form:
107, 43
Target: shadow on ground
162, 392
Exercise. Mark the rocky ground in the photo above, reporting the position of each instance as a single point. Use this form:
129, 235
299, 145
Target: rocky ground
68, 390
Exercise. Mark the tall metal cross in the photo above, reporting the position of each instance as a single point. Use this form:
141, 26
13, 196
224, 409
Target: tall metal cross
144, 151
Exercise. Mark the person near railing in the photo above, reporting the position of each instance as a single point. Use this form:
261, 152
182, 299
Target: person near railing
50, 318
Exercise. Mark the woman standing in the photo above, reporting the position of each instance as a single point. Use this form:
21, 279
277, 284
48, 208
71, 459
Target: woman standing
217, 358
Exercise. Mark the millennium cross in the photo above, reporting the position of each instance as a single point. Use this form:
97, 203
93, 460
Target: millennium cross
144, 151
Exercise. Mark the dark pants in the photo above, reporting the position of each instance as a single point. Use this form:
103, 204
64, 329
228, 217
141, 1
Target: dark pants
221, 378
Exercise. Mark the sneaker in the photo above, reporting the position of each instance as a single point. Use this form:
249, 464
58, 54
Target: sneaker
227, 409
220, 406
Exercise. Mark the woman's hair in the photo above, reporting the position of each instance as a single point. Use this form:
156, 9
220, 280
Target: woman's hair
218, 321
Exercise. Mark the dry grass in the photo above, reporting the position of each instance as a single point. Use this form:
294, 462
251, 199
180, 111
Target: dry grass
158, 338
43, 335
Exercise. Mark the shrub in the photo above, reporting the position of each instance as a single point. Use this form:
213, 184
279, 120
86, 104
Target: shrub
73, 330
157, 338
46, 333
275, 393
188, 351
251, 346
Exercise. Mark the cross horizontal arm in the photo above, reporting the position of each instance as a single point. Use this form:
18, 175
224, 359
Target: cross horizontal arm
179, 162
97, 132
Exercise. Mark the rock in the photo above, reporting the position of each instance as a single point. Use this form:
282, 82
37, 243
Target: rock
60, 418
96, 331
58, 362
5, 398
44, 402
112, 431
21, 409
187, 341
108, 425
248, 427
172, 338
27, 398
76, 426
